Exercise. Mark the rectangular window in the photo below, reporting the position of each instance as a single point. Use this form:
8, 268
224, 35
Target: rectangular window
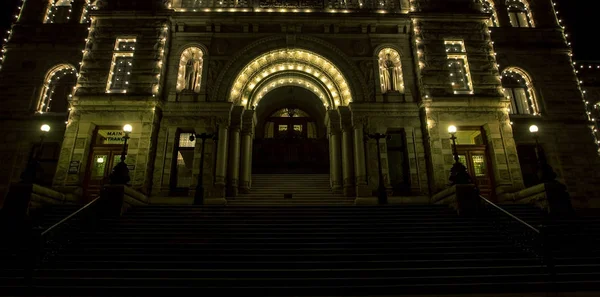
59, 12
183, 169
458, 66
122, 65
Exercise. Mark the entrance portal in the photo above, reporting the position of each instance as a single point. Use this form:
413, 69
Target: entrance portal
290, 134
471, 149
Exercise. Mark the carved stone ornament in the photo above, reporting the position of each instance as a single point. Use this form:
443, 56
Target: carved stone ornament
366, 68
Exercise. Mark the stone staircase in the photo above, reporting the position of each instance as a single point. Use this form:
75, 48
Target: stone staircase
305, 189
289, 251
574, 243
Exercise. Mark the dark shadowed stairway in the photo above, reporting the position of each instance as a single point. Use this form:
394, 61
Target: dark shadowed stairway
317, 251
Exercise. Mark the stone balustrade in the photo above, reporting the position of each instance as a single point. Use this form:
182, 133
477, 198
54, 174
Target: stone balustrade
301, 5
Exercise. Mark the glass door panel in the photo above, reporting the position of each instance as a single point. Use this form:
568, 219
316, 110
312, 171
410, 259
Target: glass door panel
463, 160
99, 165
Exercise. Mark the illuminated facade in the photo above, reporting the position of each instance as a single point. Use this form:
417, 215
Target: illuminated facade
323, 71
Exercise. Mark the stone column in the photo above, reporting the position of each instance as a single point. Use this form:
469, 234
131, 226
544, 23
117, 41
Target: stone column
233, 173
77, 11
502, 13
348, 162
360, 170
336, 160
246, 152
221, 169
34, 11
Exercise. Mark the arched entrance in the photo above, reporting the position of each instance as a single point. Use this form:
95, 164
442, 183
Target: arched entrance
291, 137
261, 89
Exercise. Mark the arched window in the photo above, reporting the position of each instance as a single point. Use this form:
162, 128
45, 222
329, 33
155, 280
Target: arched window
487, 6
59, 12
190, 70
519, 13
518, 88
390, 71
58, 89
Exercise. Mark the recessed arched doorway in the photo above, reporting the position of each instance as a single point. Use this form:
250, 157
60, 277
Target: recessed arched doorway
303, 82
291, 137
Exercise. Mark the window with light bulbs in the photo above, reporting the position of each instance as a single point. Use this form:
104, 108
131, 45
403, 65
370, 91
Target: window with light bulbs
519, 14
488, 7
57, 89
121, 66
519, 90
59, 12
458, 67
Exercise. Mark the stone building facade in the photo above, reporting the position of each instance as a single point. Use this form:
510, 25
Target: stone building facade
409, 68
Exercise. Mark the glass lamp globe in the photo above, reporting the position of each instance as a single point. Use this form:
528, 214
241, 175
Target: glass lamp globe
127, 128
45, 128
533, 129
452, 129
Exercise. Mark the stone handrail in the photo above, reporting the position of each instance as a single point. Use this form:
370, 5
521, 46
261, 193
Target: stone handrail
462, 197
120, 198
532, 195
24, 197
446, 196
292, 5
41, 196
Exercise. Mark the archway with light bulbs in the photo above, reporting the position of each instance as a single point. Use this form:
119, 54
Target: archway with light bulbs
291, 101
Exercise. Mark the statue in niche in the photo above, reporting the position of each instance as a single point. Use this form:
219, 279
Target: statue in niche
192, 73
391, 75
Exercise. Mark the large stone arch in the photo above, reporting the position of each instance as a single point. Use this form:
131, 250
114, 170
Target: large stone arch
337, 116
290, 66
242, 58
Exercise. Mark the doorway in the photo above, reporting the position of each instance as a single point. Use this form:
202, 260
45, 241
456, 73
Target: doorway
106, 151
290, 134
472, 152
291, 145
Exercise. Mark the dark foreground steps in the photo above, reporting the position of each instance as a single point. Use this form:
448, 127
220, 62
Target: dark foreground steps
297, 251
574, 241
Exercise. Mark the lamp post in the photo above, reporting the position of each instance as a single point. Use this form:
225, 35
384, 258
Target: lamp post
381, 190
199, 195
120, 173
545, 172
458, 172
29, 175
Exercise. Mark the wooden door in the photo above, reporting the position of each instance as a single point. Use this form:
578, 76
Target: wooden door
100, 165
476, 161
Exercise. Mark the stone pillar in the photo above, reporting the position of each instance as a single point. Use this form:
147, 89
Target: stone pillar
233, 173
245, 173
348, 162
502, 13
336, 160
360, 170
77, 11
246, 151
221, 169
34, 11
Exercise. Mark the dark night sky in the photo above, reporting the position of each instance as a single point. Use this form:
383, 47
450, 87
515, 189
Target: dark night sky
580, 17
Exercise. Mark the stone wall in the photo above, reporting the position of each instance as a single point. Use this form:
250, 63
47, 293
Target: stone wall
32, 51
156, 110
